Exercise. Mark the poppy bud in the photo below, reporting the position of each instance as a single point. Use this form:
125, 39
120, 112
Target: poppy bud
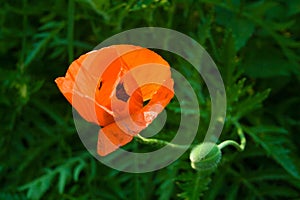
205, 157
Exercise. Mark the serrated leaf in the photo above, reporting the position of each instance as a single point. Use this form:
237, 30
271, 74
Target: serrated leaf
43, 39
12, 196
37, 86
77, 170
267, 174
279, 192
242, 29
193, 185
266, 62
166, 182
232, 193
7, 75
100, 7
227, 57
237, 90
38, 187
275, 142
251, 103
293, 7
259, 8
93, 170
64, 175
49, 111
283, 25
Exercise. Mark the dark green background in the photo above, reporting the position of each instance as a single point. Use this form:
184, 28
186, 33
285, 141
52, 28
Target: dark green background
255, 44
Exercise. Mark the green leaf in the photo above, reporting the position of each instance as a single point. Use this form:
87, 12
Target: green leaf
193, 185
43, 39
275, 142
293, 7
267, 175
37, 188
64, 175
166, 181
77, 170
259, 9
12, 196
51, 112
283, 192
100, 7
228, 59
241, 28
249, 104
266, 62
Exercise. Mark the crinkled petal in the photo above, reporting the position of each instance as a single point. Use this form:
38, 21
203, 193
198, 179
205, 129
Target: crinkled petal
108, 87
146, 67
110, 138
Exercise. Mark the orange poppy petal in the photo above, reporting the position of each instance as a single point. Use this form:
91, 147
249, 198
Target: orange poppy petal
140, 119
108, 87
163, 95
110, 138
146, 66
81, 102
80, 83
66, 84
121, 108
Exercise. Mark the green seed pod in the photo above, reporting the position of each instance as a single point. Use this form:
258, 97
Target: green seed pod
205, 157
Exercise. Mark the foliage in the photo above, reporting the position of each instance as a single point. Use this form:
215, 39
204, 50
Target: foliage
255, 44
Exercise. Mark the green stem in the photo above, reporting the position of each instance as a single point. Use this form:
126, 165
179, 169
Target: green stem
238, 146
232, 143
159, 142
24, 38
241, 135
70, 32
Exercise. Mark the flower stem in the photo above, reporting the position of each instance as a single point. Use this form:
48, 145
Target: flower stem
230, 142
160, 142
239, 147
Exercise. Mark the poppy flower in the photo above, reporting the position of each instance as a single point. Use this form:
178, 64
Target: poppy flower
110, 86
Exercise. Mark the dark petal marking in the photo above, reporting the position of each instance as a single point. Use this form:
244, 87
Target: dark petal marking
121, 93
100, 85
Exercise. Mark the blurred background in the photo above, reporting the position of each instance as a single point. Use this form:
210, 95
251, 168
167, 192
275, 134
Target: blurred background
255, 45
